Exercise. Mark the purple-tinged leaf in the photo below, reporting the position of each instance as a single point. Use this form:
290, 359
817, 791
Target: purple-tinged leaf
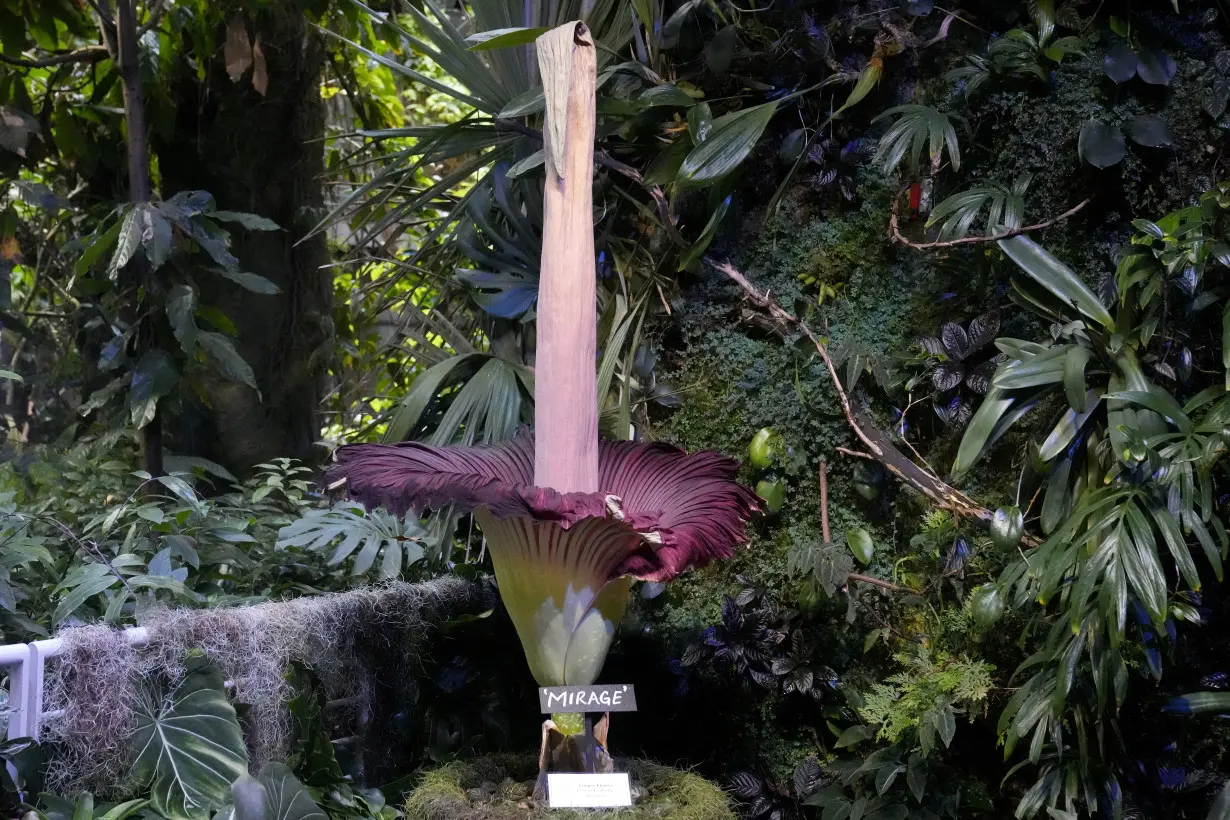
956, 340
947, 375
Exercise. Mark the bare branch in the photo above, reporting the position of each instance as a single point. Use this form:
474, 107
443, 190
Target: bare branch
895, 232
879, 445
89, 54
889, 585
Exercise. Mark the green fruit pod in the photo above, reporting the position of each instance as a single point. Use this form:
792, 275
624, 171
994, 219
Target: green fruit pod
763, 449
859, 542
773, 493
1007, 527
987, 605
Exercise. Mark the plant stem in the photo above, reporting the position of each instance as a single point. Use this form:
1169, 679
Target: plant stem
824, 503
138, 192
566, 413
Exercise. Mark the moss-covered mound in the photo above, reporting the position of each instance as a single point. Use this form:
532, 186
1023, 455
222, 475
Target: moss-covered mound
500, 787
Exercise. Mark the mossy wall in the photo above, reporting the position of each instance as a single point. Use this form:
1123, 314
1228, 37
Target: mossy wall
736, 376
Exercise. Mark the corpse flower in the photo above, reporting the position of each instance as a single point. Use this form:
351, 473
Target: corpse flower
565, 561
569, 523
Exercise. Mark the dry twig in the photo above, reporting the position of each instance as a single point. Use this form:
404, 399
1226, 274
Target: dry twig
894, 230
90, 54
878, 444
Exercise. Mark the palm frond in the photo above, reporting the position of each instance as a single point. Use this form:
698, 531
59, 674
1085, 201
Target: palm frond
1005, 206
918, 126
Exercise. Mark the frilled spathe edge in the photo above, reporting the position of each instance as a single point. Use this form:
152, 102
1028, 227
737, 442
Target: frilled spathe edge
686, 509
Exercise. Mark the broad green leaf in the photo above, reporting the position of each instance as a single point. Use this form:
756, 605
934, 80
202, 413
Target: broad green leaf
276, 794
249, 281
1007, 526
1159, 401
94, 579
11, 376
1069, 424
1145, 575
1074, 386
181, 313
188, 744
156, 237
1199, 703
124, 810
1149, 131
523, 166
1056, 277
1225, 342
504, 38
721, 50
127, 242
664, 168
100, 397
224, 356
665, 95
1034, 373
529, 102
153, 377
980, 428
867, 80
1172, 534
729, 144
1055, 504
692, 255
860, 544
700, 122
97, 248
252, 222
854, 735
1101, 144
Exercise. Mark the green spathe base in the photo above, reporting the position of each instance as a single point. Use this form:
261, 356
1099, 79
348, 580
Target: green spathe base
499, 787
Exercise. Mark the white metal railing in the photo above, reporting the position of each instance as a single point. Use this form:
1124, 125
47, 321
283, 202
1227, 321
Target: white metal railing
27, 668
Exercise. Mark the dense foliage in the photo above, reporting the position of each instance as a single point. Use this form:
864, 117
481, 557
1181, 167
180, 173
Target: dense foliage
978, 375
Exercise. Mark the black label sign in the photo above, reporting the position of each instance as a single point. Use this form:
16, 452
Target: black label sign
620, 697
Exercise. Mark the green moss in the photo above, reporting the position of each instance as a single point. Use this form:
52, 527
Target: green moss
500, 787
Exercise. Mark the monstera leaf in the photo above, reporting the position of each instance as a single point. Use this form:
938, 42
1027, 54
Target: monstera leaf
189, 745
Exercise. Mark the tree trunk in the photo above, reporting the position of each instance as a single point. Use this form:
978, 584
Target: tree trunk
262, 154
138, 192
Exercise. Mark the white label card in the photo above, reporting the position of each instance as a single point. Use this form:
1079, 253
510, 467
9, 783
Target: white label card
589, 791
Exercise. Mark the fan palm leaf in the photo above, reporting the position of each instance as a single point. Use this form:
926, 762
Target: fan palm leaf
916, 127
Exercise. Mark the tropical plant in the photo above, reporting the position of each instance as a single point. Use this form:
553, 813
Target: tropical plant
1005, 206
916, 127
1128, 488
1020, 53
151, 373
189, 747
951, 361
765, 798
570, 521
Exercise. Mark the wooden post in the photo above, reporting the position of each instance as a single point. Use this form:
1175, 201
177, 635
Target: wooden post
565, 407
